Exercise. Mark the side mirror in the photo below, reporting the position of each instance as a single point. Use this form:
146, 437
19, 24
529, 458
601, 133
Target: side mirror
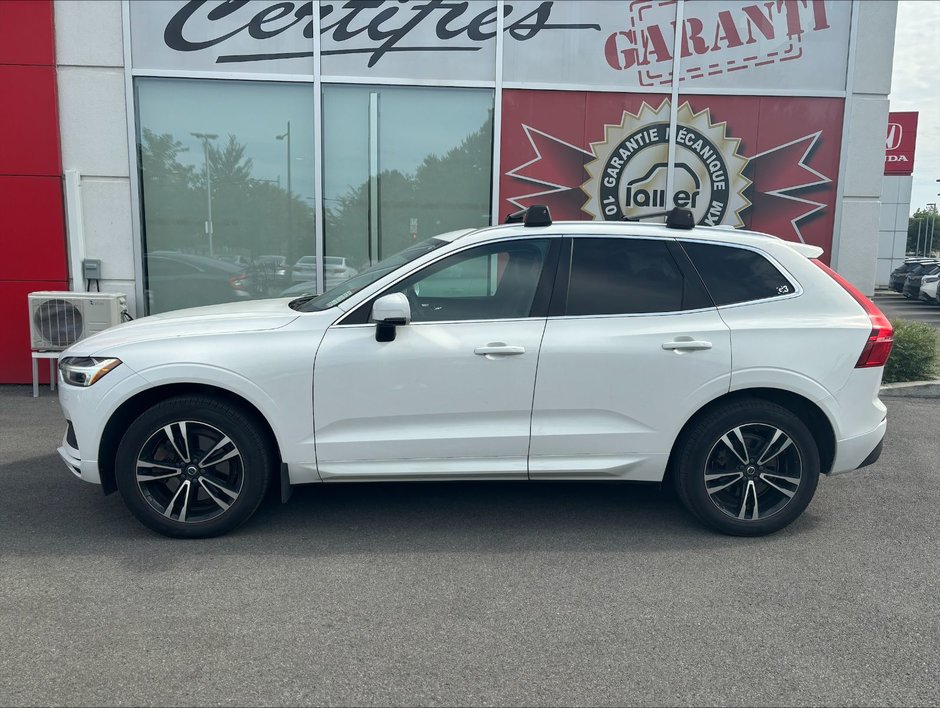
388, 312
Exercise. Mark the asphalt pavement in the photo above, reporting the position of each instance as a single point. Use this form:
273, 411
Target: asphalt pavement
470, 593
896, 306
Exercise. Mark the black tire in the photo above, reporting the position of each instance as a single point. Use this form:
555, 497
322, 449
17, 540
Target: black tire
219, 484
728, 471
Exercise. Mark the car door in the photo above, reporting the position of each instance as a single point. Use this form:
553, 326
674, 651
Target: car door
451, 395
633, 346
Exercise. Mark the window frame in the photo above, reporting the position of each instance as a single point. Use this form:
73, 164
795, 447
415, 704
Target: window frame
559, 302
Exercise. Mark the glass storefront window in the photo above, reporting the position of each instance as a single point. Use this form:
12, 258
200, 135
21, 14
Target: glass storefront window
402, 164
227, 188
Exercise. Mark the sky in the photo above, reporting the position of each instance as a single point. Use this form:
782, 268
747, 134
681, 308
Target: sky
915, 86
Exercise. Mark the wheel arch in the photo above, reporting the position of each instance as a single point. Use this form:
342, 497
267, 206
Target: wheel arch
820, 427
135, 405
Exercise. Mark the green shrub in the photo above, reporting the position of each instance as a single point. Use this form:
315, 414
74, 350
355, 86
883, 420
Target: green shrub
915, 353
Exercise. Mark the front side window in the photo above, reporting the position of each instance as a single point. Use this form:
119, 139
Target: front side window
611, 276
496, 281
734, 275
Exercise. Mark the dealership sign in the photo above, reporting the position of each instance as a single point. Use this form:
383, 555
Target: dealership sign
900, 142
759, 162
612, 43
627, 176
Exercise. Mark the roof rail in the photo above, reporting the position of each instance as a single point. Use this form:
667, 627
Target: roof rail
535, 215
677, 218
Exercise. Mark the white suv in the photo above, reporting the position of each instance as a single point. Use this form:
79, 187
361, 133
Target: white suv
730, 363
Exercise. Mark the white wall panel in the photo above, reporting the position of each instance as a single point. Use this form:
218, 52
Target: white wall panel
92, 121
88, 33
885, 244
859, 247
864, 167
876, 23
106, 208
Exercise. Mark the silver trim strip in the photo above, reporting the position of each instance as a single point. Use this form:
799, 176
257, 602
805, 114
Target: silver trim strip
130, 103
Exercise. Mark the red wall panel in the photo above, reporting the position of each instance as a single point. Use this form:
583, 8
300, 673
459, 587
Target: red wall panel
32, 228
32, 221
26, 32
15, 361
29, 123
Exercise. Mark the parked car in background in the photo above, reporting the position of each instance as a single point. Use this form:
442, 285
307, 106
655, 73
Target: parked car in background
928, 284
180, 280
899, 274
272, 272
335, 270
301, 289
911, 288
731, 364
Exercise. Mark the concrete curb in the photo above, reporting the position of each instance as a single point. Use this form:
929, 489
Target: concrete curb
912, 389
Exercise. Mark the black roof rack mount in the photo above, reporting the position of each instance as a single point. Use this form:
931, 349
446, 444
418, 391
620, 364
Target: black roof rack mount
677, 218
535, 215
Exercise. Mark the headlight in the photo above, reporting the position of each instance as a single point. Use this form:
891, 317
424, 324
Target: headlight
930, 279
85, 370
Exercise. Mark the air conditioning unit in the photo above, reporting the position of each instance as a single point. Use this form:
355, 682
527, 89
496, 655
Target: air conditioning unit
59, 319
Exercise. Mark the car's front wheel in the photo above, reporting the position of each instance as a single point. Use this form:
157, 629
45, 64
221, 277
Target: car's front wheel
749, 468
193, 467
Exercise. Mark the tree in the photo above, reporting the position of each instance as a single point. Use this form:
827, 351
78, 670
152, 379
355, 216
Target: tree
446, 192
923, 224
172, 213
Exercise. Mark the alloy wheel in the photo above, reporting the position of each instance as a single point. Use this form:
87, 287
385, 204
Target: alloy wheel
189, 471
753, 471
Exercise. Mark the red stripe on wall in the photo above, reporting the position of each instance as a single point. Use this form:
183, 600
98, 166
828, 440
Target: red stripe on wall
32, 221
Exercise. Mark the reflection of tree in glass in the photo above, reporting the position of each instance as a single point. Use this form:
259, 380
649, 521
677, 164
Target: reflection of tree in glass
445, 193
249, 214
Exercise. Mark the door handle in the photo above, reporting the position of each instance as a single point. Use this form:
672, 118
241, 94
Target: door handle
499, 349
687, 345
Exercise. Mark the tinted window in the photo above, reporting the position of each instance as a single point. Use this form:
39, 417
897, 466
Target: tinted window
628, 276
496, 281
736, 274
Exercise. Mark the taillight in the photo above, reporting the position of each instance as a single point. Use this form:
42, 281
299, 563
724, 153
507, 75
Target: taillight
238, 281
878, 347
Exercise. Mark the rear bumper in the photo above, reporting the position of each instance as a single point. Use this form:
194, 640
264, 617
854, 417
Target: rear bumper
860, 451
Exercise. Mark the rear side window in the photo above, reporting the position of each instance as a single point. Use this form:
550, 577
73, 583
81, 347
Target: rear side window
734, 275
612, 276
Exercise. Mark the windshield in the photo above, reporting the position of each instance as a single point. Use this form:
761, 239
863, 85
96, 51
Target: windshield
347, 288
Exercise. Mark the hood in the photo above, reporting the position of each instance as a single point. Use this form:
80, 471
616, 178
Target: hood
253, 316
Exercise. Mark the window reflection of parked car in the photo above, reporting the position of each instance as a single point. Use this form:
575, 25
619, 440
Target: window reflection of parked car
178, 280
335, 270
301, 289
270, 272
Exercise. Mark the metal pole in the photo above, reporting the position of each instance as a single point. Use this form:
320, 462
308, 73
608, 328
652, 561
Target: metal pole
374, 177
205, 144
290, 206
933, 228
920, 223
205, 138
291, 256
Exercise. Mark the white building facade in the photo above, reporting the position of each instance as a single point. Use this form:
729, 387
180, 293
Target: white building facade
209, 147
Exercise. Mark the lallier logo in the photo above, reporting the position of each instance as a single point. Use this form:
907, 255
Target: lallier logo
625, 173
628, 173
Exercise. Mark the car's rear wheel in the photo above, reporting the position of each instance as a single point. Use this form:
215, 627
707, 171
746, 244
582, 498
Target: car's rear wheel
193, 467
749, 468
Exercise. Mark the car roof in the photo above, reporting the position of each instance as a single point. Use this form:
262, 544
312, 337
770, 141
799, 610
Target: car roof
718, 234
